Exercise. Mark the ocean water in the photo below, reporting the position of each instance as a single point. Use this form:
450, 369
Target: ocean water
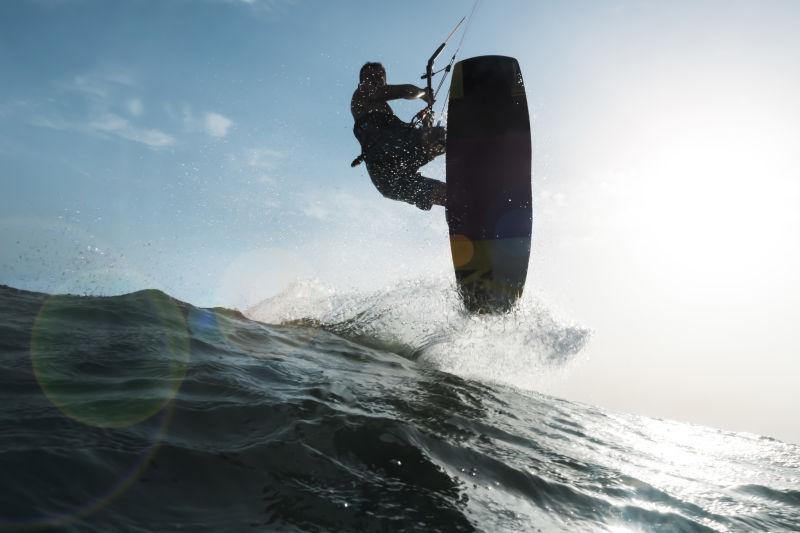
318, 411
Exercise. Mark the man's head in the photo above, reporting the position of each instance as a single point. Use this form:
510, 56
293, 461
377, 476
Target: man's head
372, 73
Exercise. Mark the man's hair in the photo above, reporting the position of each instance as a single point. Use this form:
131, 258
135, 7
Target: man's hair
366, 66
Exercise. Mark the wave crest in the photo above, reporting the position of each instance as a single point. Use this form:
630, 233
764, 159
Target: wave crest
423, 319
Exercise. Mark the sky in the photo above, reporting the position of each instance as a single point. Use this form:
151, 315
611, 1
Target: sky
202, 148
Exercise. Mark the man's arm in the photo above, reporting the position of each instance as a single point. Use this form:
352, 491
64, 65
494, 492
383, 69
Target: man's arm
398, 92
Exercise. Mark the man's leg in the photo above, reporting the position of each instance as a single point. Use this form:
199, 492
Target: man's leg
423, 146
399, 183
394, 167
424, 192
436, 139
427, 145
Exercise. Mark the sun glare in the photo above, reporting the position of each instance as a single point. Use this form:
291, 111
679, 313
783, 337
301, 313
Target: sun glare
711, 195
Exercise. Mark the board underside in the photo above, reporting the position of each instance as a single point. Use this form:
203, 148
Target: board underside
489, 209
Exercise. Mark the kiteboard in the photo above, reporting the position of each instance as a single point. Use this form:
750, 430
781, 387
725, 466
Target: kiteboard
489, 204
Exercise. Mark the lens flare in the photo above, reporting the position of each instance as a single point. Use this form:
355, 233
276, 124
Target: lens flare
111, 366
74, 344
462, 249
151, 432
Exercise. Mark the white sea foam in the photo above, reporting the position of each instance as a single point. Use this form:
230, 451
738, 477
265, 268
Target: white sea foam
424, 319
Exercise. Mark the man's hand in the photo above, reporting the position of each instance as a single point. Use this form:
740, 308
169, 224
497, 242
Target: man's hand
427, 96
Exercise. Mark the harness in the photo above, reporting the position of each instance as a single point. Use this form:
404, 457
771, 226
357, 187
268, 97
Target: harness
371, 128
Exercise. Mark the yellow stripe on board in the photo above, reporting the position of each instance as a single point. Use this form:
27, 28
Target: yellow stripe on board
475, 261
457, 83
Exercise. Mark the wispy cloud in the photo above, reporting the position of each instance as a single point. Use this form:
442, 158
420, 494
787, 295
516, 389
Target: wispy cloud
213, 124
103, 94
217, 125
108, 102
262, 6
262, 165
100, 85
323, 205
14, 106
116, 125
54, 3
264, 158
135, 107
109, 124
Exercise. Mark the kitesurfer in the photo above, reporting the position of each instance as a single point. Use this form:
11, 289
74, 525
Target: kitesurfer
395, 150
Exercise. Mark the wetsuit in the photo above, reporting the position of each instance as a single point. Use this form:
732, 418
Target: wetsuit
394, 151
